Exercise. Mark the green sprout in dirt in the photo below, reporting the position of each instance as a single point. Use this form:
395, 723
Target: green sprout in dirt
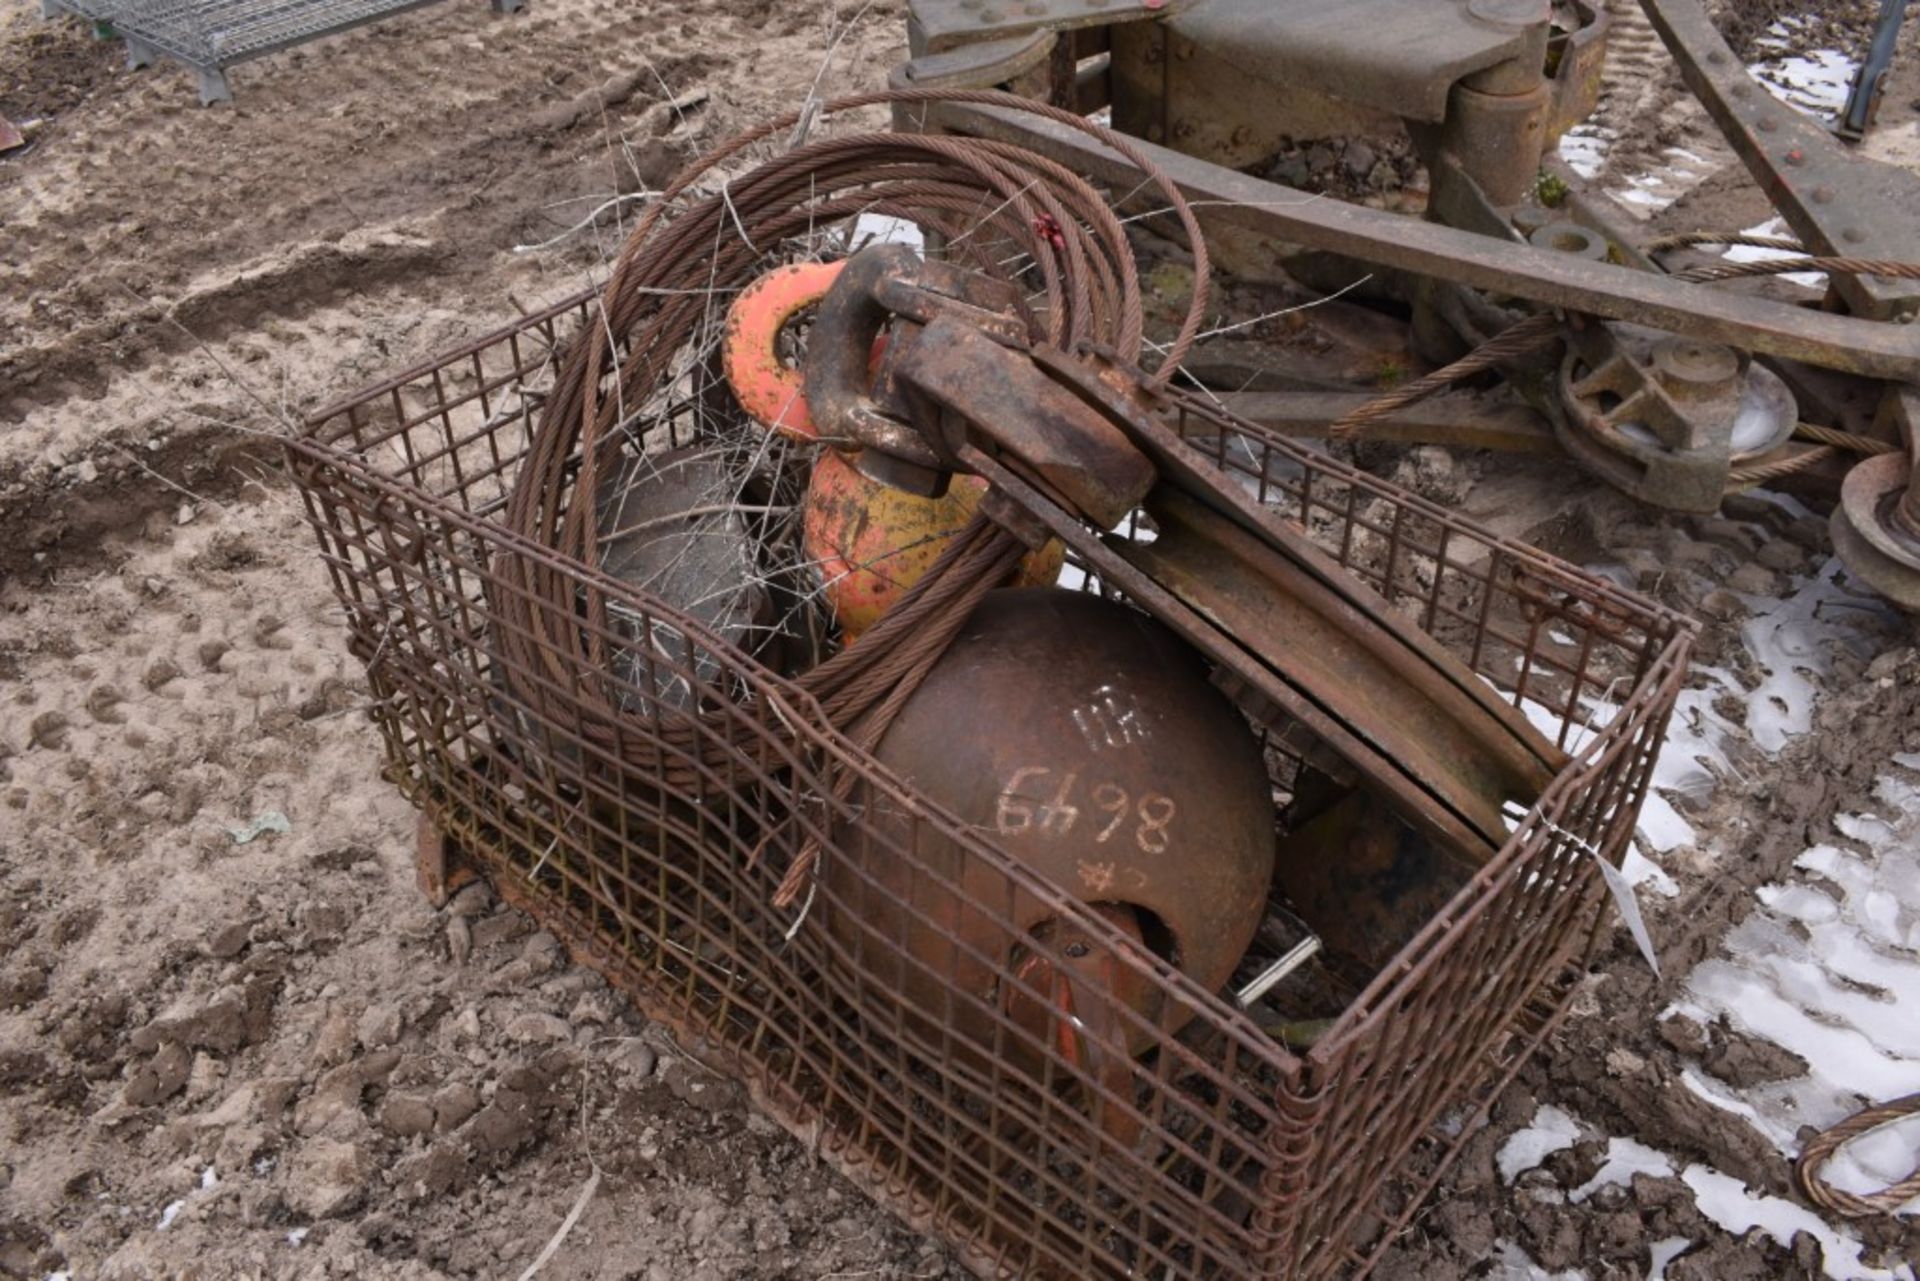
1390, 372
1552, 189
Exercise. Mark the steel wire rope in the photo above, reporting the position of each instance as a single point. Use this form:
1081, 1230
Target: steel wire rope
1821, 1148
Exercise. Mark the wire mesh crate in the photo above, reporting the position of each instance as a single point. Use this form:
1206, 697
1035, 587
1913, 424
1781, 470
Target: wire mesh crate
1240, 1157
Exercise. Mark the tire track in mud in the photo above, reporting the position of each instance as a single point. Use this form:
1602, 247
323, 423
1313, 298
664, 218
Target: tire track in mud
1648, 141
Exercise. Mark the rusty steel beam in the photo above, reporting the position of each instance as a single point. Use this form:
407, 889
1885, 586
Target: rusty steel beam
1838, 203
1221, 195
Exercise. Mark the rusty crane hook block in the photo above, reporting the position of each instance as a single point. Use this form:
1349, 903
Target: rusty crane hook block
1070, 445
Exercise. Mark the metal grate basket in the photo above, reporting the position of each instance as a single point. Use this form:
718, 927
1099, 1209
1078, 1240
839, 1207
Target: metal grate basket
1251, 1159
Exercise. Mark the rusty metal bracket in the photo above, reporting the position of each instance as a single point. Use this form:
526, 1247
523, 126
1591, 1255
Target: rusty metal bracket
1870, 82
1329, 644
1056, 438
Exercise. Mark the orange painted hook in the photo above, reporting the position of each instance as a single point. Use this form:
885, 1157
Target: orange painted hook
766, 388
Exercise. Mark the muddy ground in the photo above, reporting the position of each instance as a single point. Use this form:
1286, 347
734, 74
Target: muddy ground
268, 1057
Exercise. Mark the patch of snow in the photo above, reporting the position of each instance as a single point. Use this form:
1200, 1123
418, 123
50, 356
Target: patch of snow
1726, 1201
1830, 970
880, 229
1514, 1264
1775, 226
1643, 871
1663, 1252
1584, 147
1655, 189
172, 1212
1794, 643
1815, 82
1625, 1158
1662, 830
1551, 1131
1721, 1198
298, 1235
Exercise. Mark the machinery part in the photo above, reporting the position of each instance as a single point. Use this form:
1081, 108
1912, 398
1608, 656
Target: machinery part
1232, 81
1453, 755
1113, 769
1255, 596
1221, 81
1368, 880
1570, 238
1459, 420
867, 541
1665, 419
1863, 99
766, 388
939, 26
870, 542
1465, 76
1835, 201
674, 526
1061, 440
1872, 534
881, 282
1224, 197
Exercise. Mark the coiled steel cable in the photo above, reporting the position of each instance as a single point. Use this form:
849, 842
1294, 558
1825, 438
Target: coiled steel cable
979, 197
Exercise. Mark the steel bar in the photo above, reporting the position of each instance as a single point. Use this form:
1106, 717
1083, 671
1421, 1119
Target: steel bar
1863, 99
1221, 195
1296, 956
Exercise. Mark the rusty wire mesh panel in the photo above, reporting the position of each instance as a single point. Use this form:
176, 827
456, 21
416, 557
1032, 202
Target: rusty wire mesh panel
1250, 1160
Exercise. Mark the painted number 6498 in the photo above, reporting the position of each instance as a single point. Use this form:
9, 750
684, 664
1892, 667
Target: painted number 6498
1017, 811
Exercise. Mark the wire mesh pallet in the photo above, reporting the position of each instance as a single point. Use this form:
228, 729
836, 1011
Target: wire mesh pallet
209, 36
1251, 1159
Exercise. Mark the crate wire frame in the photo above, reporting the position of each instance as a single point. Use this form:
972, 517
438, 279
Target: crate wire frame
1258, 1162
208, 36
